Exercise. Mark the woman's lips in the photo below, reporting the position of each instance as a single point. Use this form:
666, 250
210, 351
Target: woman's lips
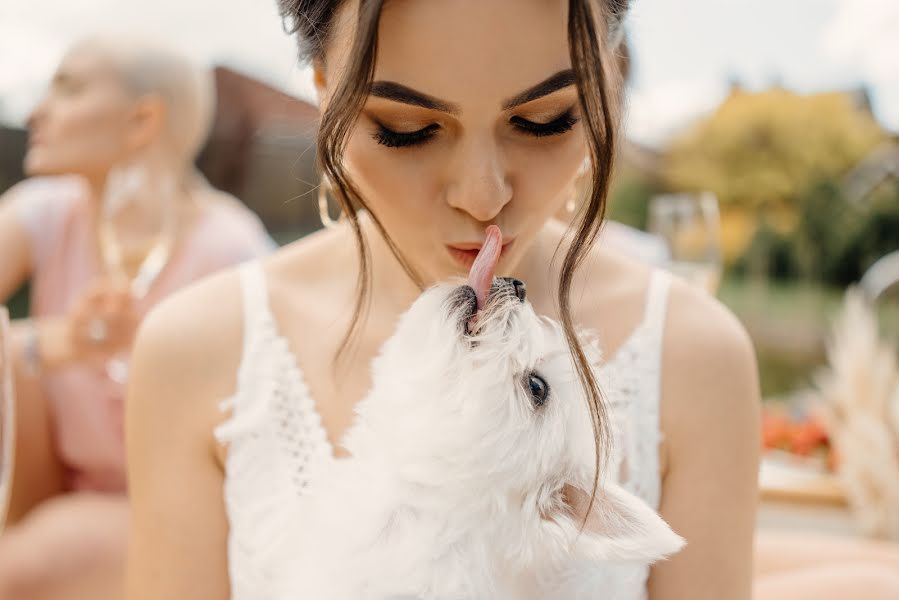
464, 254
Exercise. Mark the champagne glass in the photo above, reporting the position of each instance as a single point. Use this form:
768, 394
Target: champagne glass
136, 233
690, 224
7, 416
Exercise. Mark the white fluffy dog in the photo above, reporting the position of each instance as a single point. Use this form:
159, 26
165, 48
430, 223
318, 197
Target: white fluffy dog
459, 456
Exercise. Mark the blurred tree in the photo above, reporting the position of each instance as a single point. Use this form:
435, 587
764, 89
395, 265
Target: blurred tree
629, 200
761, 150
771, 253
828, 226
877, 234
834, 241
637, 179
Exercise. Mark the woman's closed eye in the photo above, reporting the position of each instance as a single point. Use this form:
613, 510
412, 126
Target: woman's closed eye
396, 139
561, 124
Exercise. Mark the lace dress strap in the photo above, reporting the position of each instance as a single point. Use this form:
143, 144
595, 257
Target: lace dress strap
254, 292
654, 320
647, 406
633, 382
275, 442
256, 327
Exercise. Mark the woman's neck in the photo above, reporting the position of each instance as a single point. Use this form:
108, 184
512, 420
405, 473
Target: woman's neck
93, 188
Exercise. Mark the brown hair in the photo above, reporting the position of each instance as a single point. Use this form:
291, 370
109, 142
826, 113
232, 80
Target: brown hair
594, 28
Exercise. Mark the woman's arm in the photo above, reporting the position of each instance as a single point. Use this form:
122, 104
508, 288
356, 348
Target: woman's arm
185, 361
15, 247
56, 341
40, 344
38, 472
710, 420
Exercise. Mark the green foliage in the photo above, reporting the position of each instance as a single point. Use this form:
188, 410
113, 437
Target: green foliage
834, 242
629, 201
878, 232
18, 303
827, 227
771, 254
760, 150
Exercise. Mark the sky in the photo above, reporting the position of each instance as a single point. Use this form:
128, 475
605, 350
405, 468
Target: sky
686, 52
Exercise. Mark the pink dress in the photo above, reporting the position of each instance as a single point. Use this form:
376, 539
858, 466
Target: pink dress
87, 407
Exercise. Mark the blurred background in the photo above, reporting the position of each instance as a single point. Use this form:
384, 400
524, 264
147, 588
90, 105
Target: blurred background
763, 148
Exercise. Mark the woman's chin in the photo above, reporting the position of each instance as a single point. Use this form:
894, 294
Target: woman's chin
36, 165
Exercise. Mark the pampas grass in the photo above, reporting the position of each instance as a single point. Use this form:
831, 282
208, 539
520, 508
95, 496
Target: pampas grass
859, 393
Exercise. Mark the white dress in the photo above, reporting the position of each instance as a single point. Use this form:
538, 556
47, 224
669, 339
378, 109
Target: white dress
276, 441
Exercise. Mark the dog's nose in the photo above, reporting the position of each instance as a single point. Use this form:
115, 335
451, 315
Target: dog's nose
517, 285
521, 289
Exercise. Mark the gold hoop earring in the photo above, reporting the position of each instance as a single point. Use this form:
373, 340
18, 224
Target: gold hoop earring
323, 212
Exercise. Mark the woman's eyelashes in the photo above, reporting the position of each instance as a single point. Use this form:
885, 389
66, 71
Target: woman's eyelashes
561, 124
394, 139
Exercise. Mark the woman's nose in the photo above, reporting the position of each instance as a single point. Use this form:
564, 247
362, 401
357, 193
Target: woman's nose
37, 113
479, 184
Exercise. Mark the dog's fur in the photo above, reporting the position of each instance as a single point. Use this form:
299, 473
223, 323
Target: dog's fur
454, 488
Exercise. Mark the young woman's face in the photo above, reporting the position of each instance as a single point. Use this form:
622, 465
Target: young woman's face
473, 120
81, 125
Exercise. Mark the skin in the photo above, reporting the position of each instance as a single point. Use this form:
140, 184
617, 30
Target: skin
793, 566
477, 170
85, 124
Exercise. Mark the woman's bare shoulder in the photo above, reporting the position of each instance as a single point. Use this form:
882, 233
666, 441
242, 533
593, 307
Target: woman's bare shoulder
188, 350
192, 341
698, 327
702, 333
183, 364
710, 389
710, 451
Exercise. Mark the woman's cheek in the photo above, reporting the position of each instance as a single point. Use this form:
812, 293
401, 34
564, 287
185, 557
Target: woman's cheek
544, 175
94, 132
390, 180
402, 191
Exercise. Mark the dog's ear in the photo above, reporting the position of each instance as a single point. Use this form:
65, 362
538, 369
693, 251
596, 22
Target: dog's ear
620, 526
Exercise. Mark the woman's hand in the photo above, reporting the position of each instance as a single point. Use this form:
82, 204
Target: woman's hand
100, 324
102, 321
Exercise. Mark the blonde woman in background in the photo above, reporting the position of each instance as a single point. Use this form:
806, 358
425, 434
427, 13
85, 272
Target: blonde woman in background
115, 136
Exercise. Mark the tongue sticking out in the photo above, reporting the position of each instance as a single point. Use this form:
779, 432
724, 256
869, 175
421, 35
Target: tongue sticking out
480, 278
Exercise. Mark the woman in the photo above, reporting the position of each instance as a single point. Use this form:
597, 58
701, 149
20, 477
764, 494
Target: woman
114, 219
469, 114
477, 143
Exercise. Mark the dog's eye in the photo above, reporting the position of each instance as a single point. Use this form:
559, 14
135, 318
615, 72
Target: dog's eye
539, 389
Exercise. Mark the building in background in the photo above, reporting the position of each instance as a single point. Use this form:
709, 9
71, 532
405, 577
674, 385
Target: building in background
262, 150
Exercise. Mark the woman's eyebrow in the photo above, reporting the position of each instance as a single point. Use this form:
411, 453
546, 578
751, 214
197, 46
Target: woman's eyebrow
397, 92
551, 84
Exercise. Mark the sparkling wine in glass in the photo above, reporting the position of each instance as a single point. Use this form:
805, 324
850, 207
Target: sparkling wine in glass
7, 416
690, 224
136, 233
